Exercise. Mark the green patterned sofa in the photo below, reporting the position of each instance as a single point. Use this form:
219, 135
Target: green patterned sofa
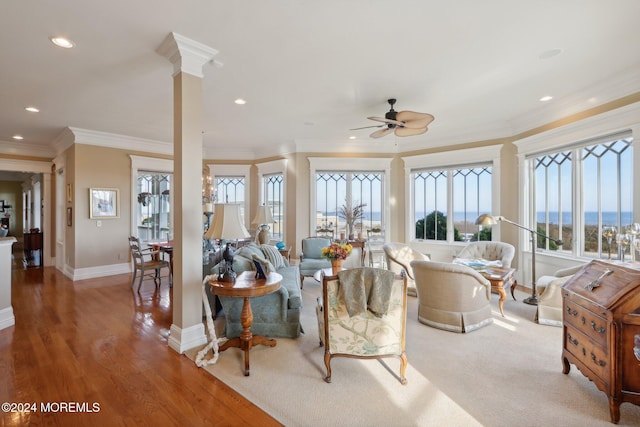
274, 315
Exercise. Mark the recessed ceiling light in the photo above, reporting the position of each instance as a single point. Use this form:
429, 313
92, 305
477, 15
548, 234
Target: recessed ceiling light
62, 42
32, 109
18, 137
546, 98
550, 53
352, 137
240, 101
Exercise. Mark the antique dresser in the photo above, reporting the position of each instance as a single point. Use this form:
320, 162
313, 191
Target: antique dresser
601, 323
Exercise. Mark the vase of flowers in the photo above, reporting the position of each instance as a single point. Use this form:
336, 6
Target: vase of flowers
336, 253
352, 213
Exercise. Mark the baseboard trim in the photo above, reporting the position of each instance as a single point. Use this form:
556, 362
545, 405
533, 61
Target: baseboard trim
7, 319
182, 340
99, 271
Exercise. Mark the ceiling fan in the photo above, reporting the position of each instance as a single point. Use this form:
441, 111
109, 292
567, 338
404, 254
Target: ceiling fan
403, 123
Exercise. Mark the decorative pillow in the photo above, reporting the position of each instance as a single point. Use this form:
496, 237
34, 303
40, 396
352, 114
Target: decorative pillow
267, 267
272, 254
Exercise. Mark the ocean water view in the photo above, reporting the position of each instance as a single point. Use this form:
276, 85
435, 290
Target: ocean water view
591, 218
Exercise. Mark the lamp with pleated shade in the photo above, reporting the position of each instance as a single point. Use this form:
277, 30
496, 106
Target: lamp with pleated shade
262, 219
227, 225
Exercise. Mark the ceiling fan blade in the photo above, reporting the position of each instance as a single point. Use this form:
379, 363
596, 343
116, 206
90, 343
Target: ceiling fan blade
413, 120
382, 132
389, 121
409, 132
367, 127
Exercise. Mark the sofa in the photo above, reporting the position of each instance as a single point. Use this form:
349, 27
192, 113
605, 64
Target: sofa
274, 315
490, 251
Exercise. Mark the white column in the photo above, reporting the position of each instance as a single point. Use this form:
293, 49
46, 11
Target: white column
6, 310
188, 58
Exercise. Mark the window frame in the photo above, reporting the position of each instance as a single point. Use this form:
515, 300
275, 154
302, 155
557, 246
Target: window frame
466, 158
276, 167
582, 132
349, 164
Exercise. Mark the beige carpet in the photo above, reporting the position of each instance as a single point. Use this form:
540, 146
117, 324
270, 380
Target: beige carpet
506, 374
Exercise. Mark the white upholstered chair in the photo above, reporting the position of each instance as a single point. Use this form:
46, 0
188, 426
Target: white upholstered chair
399, 257
451, 296
490, 251
549, 288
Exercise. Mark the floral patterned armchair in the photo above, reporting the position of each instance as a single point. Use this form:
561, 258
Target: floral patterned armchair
364, 335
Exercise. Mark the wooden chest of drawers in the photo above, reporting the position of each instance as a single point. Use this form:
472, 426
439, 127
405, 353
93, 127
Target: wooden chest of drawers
601, 322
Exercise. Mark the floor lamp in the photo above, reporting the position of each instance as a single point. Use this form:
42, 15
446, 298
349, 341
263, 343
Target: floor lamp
486, 219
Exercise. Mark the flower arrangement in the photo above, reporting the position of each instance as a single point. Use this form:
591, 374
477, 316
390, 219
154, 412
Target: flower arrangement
337, 251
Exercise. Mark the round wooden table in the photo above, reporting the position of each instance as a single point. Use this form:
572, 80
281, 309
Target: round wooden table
247, 286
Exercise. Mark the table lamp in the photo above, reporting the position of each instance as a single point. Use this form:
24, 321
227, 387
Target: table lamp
262, 219
227, 225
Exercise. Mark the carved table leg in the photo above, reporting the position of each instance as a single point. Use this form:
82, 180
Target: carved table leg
503, 296
614, 410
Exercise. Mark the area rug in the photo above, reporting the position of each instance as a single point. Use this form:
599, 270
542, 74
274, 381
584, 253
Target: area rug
506, 374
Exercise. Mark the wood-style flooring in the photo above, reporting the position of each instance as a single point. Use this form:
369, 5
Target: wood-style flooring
98, 341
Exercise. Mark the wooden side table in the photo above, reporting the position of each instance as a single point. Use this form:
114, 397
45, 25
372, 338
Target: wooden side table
247, 286
500, 278
286, 253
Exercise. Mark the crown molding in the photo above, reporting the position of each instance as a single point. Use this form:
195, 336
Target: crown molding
123, 142
26, 149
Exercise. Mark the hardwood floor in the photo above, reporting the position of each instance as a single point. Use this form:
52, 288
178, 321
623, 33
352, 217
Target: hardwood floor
98, 341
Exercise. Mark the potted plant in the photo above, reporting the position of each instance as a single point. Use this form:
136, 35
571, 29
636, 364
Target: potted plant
352, 213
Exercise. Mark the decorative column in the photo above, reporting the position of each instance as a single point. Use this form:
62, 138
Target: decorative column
188, 58
6, 310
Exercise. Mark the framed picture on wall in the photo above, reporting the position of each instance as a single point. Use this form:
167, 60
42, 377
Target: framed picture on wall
1, 205
104, 203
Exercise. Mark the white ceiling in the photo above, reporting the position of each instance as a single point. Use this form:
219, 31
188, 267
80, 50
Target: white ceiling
310, 71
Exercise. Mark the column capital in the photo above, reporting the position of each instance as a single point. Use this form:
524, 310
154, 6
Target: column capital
185, 54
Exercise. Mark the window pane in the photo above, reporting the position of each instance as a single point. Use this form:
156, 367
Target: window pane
553, 187
274, 197
607, 193
153, 210
430, 205
471, 197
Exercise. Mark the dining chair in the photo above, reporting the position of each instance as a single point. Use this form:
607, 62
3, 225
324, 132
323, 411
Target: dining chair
147, 262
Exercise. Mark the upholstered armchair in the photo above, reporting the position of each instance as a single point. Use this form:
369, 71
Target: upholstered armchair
399, 257
363, 335
549, 289
491, 251
451, 296
311, 258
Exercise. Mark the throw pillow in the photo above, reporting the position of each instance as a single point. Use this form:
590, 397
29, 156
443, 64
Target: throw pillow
272, 254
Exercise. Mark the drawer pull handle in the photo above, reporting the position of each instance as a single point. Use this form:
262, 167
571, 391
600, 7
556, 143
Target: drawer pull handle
583, 320
601, 329
596, 283
598, 362
572, 312
572, 340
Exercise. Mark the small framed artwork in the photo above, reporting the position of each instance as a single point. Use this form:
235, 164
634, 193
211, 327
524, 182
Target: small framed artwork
1, 205
104, 203
69, 217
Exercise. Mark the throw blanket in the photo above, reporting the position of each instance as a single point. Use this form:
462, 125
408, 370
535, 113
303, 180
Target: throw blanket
366, 289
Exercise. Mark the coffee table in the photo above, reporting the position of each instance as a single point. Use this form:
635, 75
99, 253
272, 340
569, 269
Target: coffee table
247, 286
500, 278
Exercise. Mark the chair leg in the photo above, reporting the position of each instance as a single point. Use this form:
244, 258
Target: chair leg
403, 368
141, 277
327, 363
133, 281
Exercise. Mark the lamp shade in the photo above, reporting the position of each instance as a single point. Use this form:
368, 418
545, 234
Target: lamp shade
486, 219
227, 224
263, 216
